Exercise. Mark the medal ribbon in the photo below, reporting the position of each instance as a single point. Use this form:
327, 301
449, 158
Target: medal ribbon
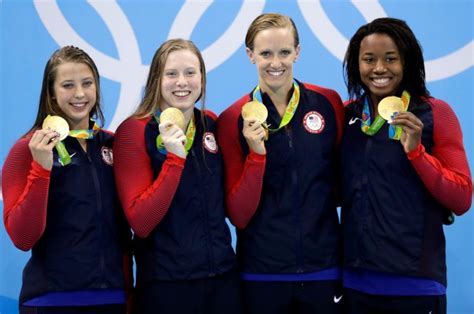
394, 132
64, 157
290, 108
190, 133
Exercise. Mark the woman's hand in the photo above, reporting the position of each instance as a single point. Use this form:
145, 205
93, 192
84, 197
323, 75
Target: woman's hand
41, 146
412, 128
255, 134
173, 139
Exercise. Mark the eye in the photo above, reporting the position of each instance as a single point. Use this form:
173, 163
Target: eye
67, 85
190, 72
170, 73
265, 54
368, 60
88, 83
391, 59
285, 53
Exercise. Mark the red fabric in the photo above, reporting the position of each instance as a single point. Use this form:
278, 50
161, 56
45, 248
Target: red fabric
145, 200
243, 176
445, 172
25, 186
337, 105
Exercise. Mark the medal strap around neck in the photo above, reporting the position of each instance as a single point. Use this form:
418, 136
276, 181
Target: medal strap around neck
85, 134
64, 157
394, 132
290, 108
190, 134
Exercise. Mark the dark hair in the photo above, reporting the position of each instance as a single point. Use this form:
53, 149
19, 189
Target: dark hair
270, 20
152, 97
410, 51
47, 104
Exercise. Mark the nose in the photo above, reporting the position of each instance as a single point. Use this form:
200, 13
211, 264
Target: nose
380, 67
181, 81
79, 92
275, 62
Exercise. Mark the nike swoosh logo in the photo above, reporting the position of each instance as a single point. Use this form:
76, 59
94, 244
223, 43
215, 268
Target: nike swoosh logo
353, 120
336, 299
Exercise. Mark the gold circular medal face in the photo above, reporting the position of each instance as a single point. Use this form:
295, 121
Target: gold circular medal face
58, 124
174, 116
389, 105
255, 110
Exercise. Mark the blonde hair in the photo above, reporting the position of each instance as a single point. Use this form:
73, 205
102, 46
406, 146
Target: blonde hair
270, 20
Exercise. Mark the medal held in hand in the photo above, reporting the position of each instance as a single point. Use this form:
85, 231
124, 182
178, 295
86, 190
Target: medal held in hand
390, 105
60, 126
256, 110
174, 116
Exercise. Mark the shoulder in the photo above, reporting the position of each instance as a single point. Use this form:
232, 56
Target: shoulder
133, 124
210, 115
330, 94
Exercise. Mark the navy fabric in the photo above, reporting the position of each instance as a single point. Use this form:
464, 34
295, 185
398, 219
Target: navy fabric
86, 232
356, 302
391, 222
295, 228
306, 297
193, 239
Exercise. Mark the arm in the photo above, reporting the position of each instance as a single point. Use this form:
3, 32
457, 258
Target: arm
445, 172
25, 185
145, 200
243, 174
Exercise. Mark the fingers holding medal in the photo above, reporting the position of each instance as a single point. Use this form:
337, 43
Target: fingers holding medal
172, 123
255, 129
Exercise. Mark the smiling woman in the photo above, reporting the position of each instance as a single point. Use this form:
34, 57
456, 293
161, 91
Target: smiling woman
169, 179
50, 204
280, 181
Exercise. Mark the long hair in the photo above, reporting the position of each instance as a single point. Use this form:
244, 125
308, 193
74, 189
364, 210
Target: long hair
47, 103
153, 98
410, 51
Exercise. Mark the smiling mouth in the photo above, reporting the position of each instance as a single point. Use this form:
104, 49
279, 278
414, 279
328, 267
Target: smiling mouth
181, 93
79, 105
275, 73
381, 81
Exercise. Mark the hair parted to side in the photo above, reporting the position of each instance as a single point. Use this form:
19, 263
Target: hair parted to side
47, 103
410, 51
153, 98
266, 21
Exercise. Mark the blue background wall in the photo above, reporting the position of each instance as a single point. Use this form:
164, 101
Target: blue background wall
122, 36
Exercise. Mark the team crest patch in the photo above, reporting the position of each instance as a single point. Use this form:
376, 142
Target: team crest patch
209, 142
314, 122
107, 155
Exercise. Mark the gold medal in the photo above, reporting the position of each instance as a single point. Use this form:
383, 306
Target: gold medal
174, 116
255, 110
58, 124
389, 105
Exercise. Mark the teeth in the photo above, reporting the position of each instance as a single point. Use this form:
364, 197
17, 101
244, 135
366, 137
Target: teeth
182, 94
381, 81
81, 104
275, 73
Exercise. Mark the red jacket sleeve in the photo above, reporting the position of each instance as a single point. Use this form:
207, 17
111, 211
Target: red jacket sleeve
243, 174
445, 172
25, 186
145, 200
